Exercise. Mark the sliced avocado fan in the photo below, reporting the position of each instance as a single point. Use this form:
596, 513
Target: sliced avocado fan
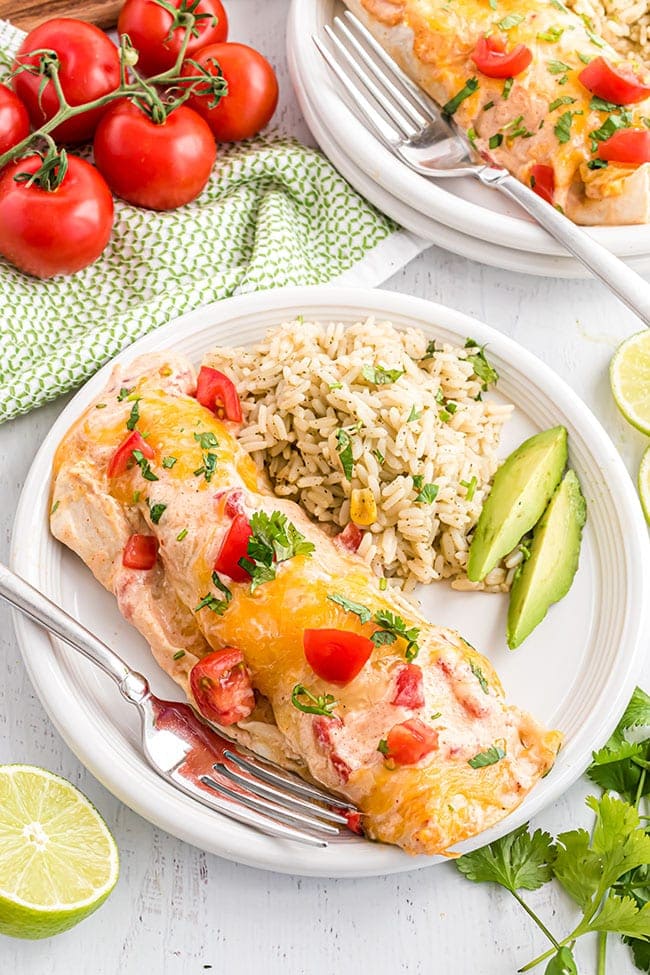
521, 490
547, 575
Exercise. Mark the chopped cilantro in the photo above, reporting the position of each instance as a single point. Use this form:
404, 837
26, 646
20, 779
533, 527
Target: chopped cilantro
134, 415
466, 91
344, 450
305, 701
607, 129
585, 58
552, 35
206, 440
156, 511
168, 462
418, 481
144, 466
562, 100
490, 756
124, 392
557, 67
383, 746
414, 414
136, 496
472, 136
507, 23
181, 535
208, 467
495, 140
380, 376
597, 164
379, 457
54, 507
218, 606
480, 676
482, 368
562, 127
507, 88
428, 494
358, 609
274, 540
178, 655
100, 406
488, 105
470, 488
392, 627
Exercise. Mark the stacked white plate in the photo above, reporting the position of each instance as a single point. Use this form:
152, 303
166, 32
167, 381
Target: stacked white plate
457, 214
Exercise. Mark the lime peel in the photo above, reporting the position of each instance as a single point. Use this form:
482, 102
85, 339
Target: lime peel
644, 484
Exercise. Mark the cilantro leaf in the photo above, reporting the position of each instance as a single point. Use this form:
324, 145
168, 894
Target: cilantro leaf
168, 462
144, 466
623, 916
344, 450
466, 91
382, 638
637, 712
124, 392
206, 440
305, 701
208, 467
640, 953
210, 601
507, 23
490, 756
134, 415
380, 376
394, 626
576, 866
518, 861
482, 368
480, 676
428, 494
274, 539
156, 511
611, 767
361, 611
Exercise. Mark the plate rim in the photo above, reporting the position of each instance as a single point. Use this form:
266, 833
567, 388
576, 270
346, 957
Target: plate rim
465, 216
276, 855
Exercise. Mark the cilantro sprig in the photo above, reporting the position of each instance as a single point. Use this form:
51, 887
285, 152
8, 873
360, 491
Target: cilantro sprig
390, 626
380, 376
606, 871
210, 601
275, 539
309, 703
482, 368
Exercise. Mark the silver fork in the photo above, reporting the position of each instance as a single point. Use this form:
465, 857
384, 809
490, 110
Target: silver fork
413, 127
186, 751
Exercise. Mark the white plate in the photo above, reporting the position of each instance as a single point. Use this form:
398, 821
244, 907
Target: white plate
486, 252
576, 672
462, 204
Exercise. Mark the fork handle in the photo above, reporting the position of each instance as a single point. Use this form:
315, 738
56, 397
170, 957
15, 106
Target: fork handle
625, 283
24, 597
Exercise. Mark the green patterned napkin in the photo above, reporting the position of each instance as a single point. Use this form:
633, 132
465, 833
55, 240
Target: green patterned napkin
274, 213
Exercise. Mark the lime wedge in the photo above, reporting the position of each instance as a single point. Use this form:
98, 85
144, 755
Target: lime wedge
644, 484
629, 377
58, 861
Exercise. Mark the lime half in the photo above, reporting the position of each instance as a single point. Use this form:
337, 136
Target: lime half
644, 484
629, 376
58, 861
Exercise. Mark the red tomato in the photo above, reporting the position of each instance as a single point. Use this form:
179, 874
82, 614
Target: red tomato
409, 690
627, 146
158, 37
542, 181
158, 166
219, 394
407, 743
14, 120
336, 656
619, 85
350, 537
252, 91
354, 819
234, 548
124, 453
90, 68
140, 552
221, 686
47, 232
492, 59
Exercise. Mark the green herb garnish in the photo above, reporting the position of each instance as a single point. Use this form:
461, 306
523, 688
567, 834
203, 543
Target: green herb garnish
358, 609
482, 368
490, 756
144, 466
344, 450
470, 488
562, 127
551, 35
323, 704
414, 414
480, 676
392, 627
274, 540
495, 140
100, 406
178, 655
428, 494
156, 511
597, 164
206, 440
507, 88
381, 376
465, 92
383, 746
54, 507
124, 392
557, 67
168, 462
181, 535
210, 601
507, 23
379, 457
562, 100
134, 415
208, 467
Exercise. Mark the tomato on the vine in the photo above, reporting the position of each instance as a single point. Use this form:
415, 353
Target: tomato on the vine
158, 35
14, 120
252, 91
54, 231
90, 68
155, 165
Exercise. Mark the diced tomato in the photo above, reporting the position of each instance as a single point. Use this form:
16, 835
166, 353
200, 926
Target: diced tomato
542, 181
409, 742
627, 146
235, 503
350, 537
216, 392
120, 459
492, 59
409, 691
221, 686
140, 552
233, 548
353, 816
336, 656
619, 85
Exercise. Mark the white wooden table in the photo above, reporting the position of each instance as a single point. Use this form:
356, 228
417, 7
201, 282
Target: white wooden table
179, 911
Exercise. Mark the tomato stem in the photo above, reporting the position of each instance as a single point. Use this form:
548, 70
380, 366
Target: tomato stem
138, 88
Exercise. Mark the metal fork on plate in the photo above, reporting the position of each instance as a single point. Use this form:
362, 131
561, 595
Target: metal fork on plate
187, 752
416, 130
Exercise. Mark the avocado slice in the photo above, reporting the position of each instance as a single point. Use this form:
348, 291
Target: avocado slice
522, 487
554, 552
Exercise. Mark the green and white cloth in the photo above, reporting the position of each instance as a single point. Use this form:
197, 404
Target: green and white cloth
274, 213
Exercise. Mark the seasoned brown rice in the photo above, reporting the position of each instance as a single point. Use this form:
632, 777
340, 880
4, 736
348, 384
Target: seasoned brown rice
304, 382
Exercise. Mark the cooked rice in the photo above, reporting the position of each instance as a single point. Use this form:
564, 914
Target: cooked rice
304, 382
625, 24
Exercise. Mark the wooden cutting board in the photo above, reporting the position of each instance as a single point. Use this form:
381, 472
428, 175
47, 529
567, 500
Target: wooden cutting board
29, 13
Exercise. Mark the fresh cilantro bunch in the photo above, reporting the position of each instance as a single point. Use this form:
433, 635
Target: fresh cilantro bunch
606, 873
